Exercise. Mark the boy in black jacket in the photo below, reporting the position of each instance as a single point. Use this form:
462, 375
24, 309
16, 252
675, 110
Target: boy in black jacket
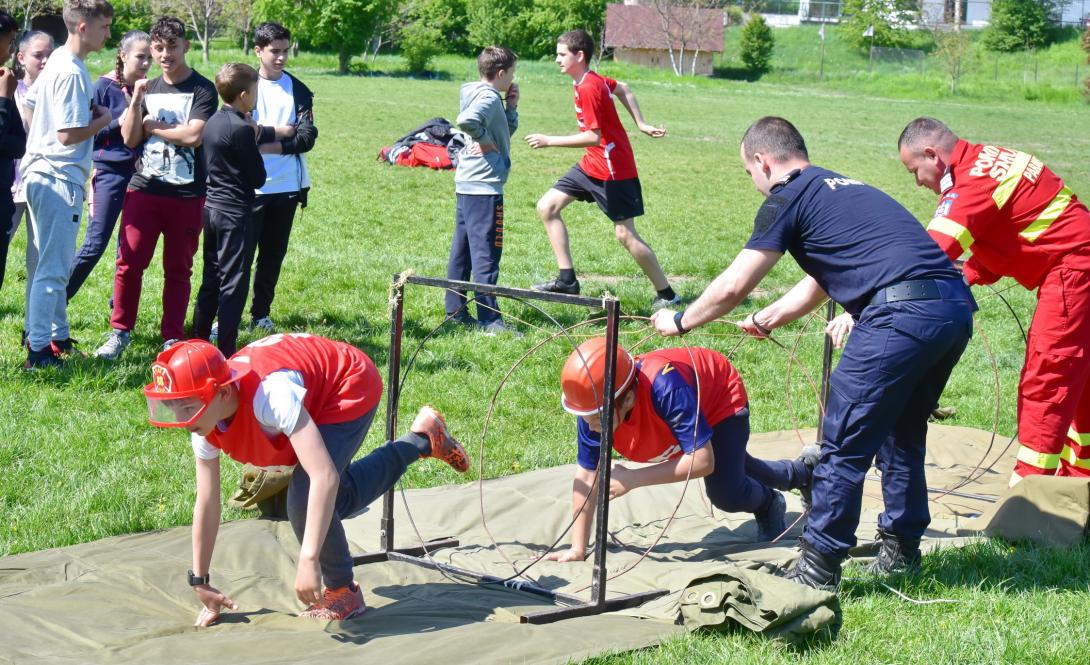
235, 169
286, 106
12, 136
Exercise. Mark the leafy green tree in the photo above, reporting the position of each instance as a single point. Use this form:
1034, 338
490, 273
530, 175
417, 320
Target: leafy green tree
344, 26
887, 18
1019, 24
756, 44
530, 28
130, 15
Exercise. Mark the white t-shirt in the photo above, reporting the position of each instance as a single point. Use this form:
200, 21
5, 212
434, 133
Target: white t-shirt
276, 108
60, 99
277, 405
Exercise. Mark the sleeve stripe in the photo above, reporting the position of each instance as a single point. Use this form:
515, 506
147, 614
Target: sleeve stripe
949, 227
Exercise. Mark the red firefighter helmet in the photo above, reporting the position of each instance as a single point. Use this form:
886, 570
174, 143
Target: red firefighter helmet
582, 381
184, 379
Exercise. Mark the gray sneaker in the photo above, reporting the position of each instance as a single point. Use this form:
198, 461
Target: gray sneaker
170, 342
662, 303
499, 327
114, 345
264, 324
214, 335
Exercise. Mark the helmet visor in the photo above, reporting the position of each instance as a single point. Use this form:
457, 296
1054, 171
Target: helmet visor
177, 410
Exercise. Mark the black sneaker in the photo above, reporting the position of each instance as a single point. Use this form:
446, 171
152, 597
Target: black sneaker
66, 348
895, 555
814, 569
462, 318
42, 359
556, 286
772, 521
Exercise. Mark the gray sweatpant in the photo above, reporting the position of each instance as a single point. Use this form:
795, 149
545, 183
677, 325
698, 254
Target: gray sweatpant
55, 207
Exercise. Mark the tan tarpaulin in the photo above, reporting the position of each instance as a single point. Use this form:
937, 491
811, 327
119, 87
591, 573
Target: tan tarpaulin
125, 599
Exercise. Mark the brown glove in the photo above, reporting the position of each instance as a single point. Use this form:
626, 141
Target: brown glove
258, 484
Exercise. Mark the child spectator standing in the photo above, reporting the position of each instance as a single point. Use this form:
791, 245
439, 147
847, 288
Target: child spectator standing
478, 183
235, 169
12, 137
606, 174
57, 164
284, 103
166, 194
114, 162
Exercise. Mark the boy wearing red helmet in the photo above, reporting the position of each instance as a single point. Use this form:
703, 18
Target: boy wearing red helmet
301, 403
685, 410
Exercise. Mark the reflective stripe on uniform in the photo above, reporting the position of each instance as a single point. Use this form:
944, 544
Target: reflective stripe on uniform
1071, 458
1038, 459
1081, 439
1010, 180
949, 227
1054, 209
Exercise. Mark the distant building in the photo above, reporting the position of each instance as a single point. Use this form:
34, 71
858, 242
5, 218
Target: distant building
683, 39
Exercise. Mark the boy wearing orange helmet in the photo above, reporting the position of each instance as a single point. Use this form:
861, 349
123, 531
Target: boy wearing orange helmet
301, 403
685, 411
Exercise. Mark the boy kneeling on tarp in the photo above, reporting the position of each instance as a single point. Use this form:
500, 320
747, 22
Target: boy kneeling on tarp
685, 410
297, 401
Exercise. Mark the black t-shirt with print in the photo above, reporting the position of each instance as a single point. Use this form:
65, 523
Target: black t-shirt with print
166, 169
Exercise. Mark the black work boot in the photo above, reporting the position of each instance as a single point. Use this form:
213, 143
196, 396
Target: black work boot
895, 555
814, 569
772, 521
809, 457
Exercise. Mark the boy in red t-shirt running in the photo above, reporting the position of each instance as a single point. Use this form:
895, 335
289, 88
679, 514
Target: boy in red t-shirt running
607, 173
297, 404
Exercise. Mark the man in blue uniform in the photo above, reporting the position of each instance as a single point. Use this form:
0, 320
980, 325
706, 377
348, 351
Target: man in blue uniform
913, 317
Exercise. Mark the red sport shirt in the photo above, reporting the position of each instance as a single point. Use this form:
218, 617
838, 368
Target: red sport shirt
1014, 214
612, 158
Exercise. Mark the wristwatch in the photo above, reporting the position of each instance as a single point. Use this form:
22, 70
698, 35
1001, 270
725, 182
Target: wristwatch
195, 580
681, 330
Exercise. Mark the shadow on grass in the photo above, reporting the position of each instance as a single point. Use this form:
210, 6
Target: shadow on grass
359, 69
736, 74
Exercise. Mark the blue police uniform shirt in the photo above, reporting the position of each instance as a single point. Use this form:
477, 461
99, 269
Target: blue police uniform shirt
674, 401
852, 238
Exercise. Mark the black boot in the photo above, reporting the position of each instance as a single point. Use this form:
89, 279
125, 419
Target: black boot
814, 569
772, 521
809, 457
895, 555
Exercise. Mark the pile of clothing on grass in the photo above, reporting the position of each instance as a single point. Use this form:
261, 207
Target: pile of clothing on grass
434, 144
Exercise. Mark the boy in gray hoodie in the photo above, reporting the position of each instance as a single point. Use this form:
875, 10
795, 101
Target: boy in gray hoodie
488, 116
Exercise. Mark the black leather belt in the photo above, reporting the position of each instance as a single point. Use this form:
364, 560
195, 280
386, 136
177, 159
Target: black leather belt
922, 289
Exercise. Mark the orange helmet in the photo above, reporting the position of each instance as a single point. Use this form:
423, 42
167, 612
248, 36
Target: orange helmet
582, 381
184, 379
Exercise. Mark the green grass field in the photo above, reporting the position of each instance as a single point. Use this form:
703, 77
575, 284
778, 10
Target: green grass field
79, 461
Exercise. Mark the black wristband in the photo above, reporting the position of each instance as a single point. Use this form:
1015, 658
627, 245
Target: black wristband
194, 580
761, 329
677, 323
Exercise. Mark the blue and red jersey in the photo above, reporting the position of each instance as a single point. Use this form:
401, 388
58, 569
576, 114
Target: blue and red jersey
681, 394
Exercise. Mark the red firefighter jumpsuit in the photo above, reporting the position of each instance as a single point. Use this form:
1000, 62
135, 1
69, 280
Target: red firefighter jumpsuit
1019, 220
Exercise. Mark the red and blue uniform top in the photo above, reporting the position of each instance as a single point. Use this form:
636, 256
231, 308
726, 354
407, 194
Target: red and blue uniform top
612, 158
1012, 212
341, 383
681, 394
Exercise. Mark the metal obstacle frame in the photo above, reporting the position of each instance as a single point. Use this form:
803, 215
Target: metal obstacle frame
568, 605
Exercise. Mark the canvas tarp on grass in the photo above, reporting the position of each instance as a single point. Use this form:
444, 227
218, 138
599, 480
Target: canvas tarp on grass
125, 599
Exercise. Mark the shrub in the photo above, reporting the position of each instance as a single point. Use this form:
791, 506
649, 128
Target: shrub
1019, 24
757, 44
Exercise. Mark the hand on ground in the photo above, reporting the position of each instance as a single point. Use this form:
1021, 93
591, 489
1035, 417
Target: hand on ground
562, 556
213, 602
308, 581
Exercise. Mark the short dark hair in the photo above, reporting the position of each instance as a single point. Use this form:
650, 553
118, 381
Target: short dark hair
233, 79
493, 59
7, 23
578, 40
775, 137
929, 130
79, 11
167, 29
268, 32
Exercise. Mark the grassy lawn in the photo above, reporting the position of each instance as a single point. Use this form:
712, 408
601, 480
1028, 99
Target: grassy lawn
79, 461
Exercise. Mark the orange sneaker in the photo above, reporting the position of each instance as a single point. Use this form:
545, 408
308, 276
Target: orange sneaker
339, 604
429, 422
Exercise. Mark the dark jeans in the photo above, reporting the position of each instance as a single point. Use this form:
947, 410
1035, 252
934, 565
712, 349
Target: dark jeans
7, 225
476, 249
273, 217
362, 482
888, 380
741, 482
226, 277
107, 197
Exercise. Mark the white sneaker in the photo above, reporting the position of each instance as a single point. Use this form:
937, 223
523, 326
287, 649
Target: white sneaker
499, 327
114, 345
264, 324
170, 342
214, 336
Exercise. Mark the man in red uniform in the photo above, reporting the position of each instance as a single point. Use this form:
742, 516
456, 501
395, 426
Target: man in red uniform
685, 411
296, 403
1019, 220
607, 173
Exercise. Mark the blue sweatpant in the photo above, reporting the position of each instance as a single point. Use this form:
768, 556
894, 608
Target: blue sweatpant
362, 481
890, 376
740, 482
476, 249
107, 196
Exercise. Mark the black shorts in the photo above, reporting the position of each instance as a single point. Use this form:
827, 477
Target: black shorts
618, 199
